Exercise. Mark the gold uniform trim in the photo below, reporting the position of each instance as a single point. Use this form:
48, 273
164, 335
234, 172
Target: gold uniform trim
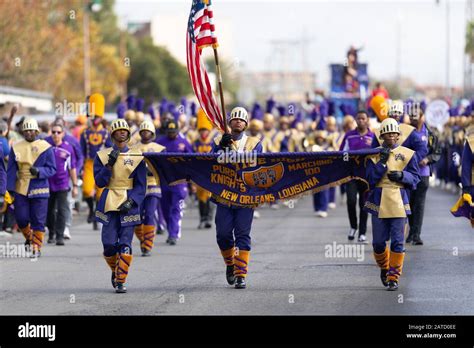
40, 191
26, 154
372, 206
120, 180
151, 190
150, 147
391, 202
470, 141
405, 130
101, 216
251, 143
131, 218
279, 136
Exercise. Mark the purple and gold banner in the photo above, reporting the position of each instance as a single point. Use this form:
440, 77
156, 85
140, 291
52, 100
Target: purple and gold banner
464, 208
266, 178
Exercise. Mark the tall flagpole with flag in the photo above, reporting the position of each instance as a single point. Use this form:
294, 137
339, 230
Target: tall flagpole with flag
201, 34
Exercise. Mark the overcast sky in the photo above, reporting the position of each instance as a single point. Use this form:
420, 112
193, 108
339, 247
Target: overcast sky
248, 27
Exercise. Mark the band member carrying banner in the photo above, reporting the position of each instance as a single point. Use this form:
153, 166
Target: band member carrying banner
122, 174
391, 174
233, 224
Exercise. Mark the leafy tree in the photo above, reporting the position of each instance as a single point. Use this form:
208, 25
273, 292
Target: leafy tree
42, 49
155, 73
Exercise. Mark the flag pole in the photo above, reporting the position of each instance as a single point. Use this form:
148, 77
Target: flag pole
221, 89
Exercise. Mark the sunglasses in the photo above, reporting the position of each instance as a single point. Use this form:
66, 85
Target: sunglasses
56, 132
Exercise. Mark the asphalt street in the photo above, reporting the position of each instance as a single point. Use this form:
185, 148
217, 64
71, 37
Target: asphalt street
293, 270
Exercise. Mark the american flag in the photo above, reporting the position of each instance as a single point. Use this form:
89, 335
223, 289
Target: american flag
201, 33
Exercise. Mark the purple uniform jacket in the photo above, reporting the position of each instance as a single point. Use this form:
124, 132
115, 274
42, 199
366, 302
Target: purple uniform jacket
103, 176
375, 173
423, 134
37, 187
413, 142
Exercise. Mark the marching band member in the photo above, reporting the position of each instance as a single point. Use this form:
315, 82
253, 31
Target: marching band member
269, 132
408, 138
317, 143
172, 200
283, 141
31, 162
93, 139
233, 224
465, 207
123, 178
391, 174
145, 232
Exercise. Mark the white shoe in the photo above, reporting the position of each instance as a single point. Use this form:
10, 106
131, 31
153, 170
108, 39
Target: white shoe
322, 214
362, 239
332, 205
352, 233
67, 234
256, 214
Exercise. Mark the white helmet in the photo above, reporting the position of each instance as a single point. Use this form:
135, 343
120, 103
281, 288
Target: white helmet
30, 124
396, 108
389, 125
148, 125
117, 124
239, 113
